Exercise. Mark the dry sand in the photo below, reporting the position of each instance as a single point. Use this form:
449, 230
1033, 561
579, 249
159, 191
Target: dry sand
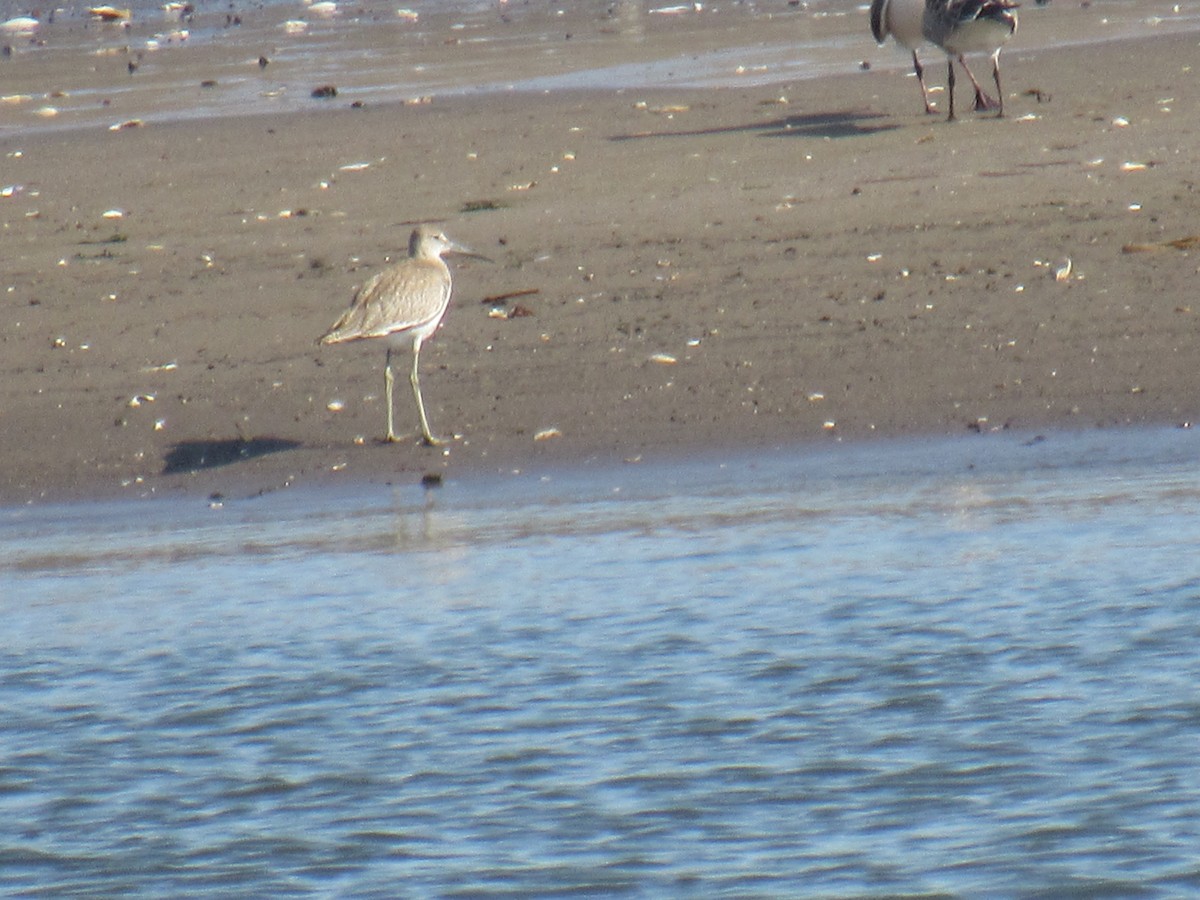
820, 261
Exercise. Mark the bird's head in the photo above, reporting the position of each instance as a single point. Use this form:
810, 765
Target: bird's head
430, 242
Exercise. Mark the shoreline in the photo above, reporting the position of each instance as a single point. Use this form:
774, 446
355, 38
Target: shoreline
831, 257
201, 68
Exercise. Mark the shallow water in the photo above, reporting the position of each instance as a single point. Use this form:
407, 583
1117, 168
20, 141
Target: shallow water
72, 72
950, 669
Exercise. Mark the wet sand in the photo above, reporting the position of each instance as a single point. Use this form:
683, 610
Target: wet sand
729, 269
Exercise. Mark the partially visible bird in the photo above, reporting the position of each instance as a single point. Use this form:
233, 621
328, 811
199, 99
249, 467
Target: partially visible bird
971, 26
904, 21
404, 305
958, 27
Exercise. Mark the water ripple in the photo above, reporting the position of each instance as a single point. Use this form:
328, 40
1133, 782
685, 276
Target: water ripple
882, 699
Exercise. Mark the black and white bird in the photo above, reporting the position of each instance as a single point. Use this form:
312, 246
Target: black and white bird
958, 27
903, 20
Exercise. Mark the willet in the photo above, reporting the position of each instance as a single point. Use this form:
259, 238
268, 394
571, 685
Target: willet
403, 305
971, 26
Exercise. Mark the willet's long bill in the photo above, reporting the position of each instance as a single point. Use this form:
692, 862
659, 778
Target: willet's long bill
404, 305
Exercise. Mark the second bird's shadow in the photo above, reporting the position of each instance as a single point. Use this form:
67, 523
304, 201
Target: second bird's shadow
836, 124
193, 456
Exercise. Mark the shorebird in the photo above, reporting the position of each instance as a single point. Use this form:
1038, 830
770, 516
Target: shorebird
958, 27
971, 26
403, 305
904, 21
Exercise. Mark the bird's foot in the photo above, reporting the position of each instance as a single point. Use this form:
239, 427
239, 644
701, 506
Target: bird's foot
984, 102
431, 440
392, 438
426, 440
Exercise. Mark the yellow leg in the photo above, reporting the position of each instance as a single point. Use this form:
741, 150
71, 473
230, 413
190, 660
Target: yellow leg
415, 381
388, 378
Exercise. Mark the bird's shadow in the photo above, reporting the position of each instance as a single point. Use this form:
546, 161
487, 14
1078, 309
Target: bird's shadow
836, 124
193, 456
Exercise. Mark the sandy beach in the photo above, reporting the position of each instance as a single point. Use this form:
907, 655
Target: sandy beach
728, 268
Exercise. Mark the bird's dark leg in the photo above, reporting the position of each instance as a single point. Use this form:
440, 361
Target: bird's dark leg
982, 100
920, 70
950, 89
999, 90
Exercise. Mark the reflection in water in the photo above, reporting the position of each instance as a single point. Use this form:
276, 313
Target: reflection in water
629, 16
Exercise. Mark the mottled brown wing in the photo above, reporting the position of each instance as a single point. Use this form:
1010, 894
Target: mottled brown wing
406, 296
